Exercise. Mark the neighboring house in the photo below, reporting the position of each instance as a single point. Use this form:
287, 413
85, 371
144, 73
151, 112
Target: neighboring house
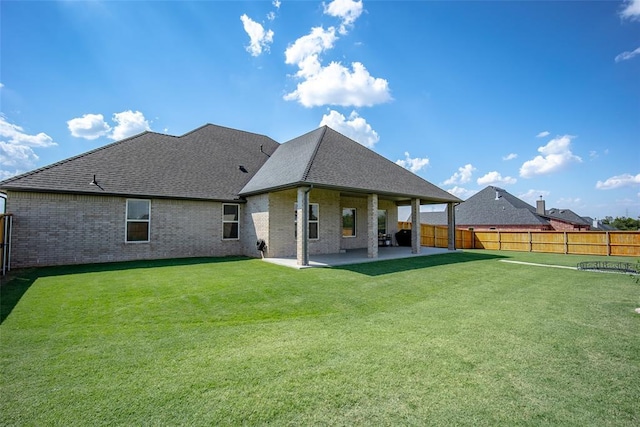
214, 191
494, 208
565, 220
597, 225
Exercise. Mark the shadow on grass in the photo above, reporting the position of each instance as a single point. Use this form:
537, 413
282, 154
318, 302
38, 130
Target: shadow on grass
379, 268
18, 282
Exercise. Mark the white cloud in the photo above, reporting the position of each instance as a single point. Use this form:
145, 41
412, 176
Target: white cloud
89, 126
93, 126
462, 176
337, 85
1, 85
334, 84
542, 134
532, 196
14, 134
346, 10
128, 123
461, 193
19, 157
624, 180
494, 177
569, 202
631, 10
305, 50
16, 148
510, 156
555, 156
272, 15
355, 127
627, 55
413, 164
259, 39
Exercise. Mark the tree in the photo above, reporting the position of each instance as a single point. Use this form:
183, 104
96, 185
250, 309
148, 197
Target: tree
625, 223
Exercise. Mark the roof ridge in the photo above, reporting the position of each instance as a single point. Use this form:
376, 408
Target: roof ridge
78, 156
307, 169
229, 128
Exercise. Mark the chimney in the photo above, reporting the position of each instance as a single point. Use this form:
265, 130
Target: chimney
497, 195
540, 207
595, 223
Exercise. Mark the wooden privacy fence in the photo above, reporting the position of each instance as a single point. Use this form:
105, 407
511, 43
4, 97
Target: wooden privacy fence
619, 243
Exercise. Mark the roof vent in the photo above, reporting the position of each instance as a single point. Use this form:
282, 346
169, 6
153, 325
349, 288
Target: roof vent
497, 195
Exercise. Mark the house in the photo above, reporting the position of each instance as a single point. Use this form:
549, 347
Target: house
494, 208
214, 191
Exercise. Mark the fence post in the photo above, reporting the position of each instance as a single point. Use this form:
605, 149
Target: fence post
499, 242
608, 243
566, 243
530, 243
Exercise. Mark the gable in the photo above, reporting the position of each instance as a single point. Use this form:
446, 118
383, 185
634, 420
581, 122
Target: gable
328, 159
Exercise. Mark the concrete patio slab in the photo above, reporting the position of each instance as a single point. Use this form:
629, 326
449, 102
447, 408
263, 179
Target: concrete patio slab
356, 256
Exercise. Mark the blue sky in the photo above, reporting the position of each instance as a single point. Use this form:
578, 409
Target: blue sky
539, 98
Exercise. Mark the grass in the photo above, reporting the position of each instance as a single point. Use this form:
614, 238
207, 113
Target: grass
454, 339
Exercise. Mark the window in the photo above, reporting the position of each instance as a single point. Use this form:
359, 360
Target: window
382, 222
230, 222
313, 221
138, 214
348, 222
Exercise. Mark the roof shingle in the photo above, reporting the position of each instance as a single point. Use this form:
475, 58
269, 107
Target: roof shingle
326, 158
202, 164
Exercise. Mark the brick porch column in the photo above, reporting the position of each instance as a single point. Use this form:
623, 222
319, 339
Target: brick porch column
415, 226
302, 239
372, 226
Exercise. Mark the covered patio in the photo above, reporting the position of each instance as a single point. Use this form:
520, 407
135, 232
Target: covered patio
356, 256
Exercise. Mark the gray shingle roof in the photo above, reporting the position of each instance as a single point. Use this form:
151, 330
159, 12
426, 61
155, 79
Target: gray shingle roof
202, 164
328, 159
495, 206
567, 215
484, 208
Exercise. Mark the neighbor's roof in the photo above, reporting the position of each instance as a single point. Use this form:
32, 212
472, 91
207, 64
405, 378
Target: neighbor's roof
327, 159
491, 206
202, 164
567, 215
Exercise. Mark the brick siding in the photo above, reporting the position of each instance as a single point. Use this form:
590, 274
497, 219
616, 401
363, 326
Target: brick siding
58, 229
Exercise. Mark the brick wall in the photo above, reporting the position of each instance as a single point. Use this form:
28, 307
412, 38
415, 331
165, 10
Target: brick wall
54, 229
281, 241
255, 224
360, 239
565, 226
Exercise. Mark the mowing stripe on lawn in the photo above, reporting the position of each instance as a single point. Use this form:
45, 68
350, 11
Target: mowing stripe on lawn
538, 265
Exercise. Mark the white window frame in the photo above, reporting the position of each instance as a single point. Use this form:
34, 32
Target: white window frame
237, 221
355, 223
309, 222
136, 220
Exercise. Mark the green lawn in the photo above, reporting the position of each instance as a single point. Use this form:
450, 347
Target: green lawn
454, 339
